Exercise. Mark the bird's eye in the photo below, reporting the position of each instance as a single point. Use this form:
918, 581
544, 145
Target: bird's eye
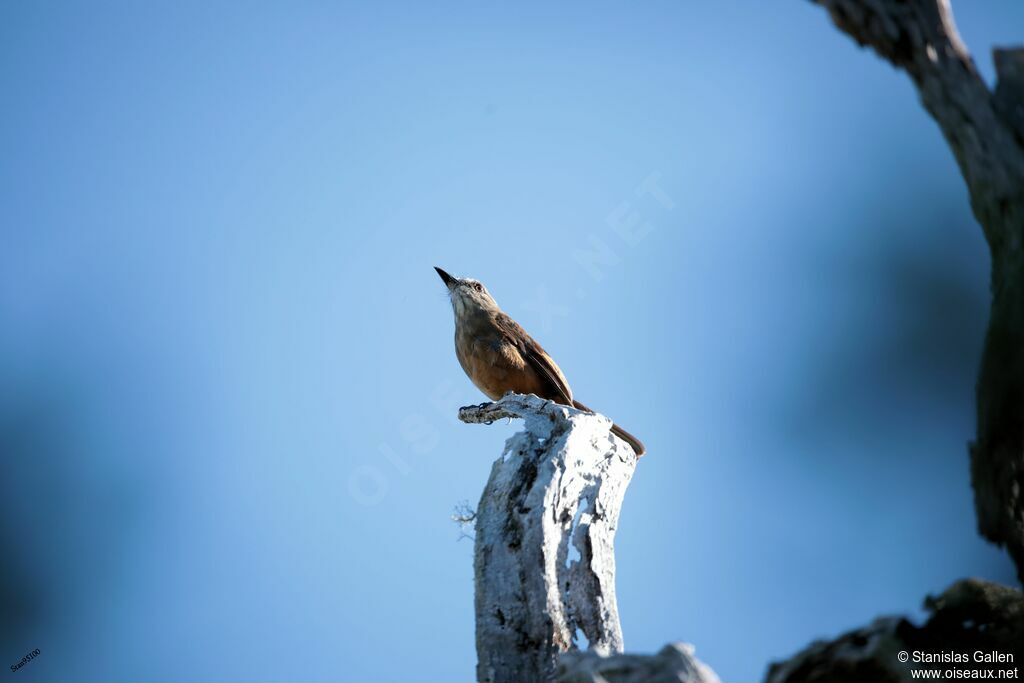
478, 287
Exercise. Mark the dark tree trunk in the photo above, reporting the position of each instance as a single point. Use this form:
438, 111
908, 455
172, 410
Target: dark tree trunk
985, 131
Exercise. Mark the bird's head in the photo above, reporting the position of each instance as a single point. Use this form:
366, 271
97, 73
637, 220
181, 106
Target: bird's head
467, 295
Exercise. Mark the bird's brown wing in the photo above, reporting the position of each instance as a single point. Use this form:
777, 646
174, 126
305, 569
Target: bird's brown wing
535, 355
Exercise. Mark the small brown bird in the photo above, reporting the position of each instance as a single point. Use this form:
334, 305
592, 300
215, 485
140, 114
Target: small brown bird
499, 356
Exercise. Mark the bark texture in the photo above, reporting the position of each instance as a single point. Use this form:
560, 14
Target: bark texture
985, 130
544, 557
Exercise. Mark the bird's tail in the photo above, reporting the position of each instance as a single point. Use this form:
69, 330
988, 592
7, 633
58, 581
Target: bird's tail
634, 443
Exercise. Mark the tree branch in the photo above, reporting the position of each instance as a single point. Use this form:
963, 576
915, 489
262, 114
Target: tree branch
985, 131
920, 37
545, 526
544, 558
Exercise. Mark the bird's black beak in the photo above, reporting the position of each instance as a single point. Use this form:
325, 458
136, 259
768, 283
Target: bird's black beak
448, 279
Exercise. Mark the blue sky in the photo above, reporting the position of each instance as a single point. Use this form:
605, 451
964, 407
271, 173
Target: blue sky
227, 379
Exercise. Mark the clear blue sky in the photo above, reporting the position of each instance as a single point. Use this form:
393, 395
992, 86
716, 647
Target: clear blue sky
227, 381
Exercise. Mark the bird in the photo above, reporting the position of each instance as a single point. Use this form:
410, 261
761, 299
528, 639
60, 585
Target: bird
499, 356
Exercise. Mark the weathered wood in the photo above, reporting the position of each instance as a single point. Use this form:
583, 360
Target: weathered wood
544, 551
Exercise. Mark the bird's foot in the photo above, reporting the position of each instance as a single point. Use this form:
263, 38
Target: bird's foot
476, 406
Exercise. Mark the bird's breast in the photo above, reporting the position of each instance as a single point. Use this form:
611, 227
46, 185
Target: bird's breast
495, 366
